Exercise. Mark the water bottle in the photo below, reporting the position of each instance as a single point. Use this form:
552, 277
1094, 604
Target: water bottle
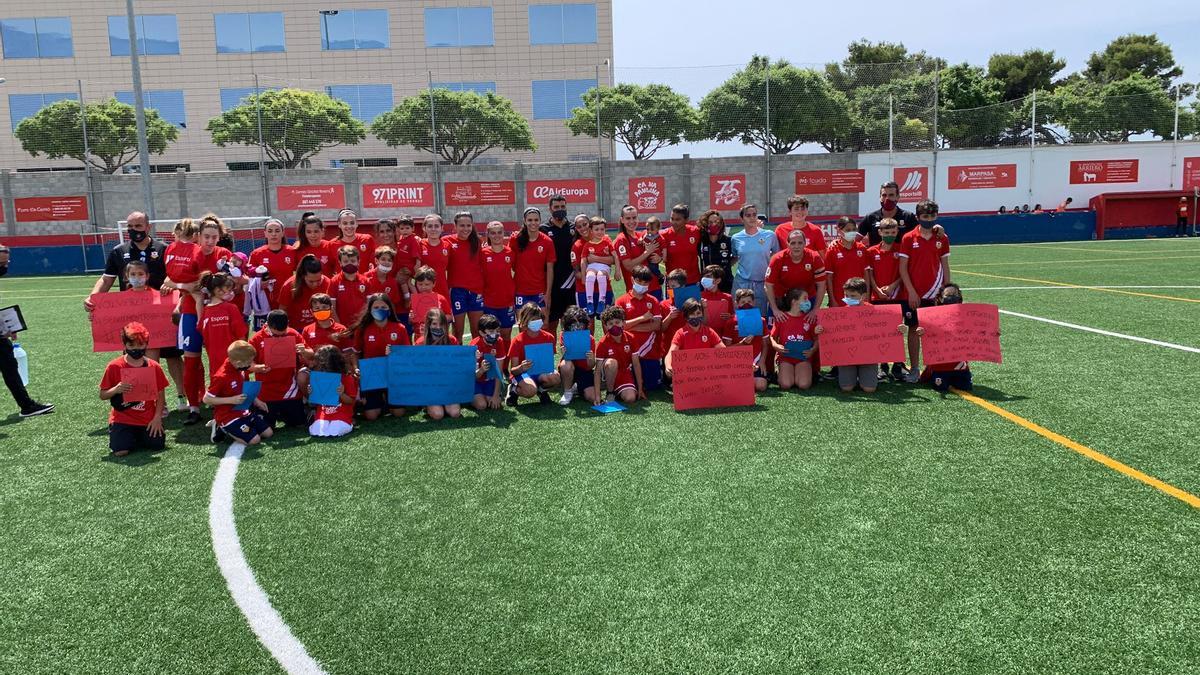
22, 358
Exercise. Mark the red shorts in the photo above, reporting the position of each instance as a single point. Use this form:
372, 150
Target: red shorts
624, 380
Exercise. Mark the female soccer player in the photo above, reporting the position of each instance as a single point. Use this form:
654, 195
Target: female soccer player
797, 325
273, 262
794, 267
435, 254
376, 333
465, 273
499, 288
633, 251
295, 295
437, 333
530, 319
310, 240
534, 257
349, 235
716, 248
385, 233
222, 323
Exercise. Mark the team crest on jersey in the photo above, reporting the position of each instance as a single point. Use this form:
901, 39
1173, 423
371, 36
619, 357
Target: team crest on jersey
540, 249
245, 428
445, 251
704, 338
785, 268
691, 240
395, 336
508, 259
860, 254
939, 244
762, 241
807, 267
153, 255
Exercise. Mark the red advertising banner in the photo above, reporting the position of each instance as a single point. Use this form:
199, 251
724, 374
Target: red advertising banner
913, 182
727, 192
309, 197
37, 209
713, 378
649, 195
397, 195
852, 336
576, 190
111, 311
953, 333
838, 181
1191, 173
1104, 171
982, 176
503, 193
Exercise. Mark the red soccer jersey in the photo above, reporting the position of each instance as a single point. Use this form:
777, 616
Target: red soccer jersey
696, 338
628, 248
646, 341
717, 303
756, 343
325, 253
280, 266
182, 259
885, 265
669, 329
925, 261
279, 384
814, 237
226, 382
499, 351
794, 328
142, 413
516, 350
349, 297
465, 270
315, 336
389, 285
373, 340
623, 351
365, 244
205, 263
408, 249
342, 412
681, 250
450, 341
578, 253
299, 309
220, 326
843, 263
786, 274
499, 288
437, 256
418, 322
530, 265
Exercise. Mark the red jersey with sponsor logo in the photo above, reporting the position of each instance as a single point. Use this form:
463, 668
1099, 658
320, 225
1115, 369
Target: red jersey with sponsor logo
578, 253
499, 351
342, 412
227, 382
696, 338
183, 262
787, 274
814, 236
142, 412
205, 263
389, 285
793, 329
646, 342
220, 326
299, 309
280, 264
437, 256
464, 269
373, 340
408, 249
349, 296
365, 244
925, 261
499, 287
315, 336
843, 263
885, 265
325, 253
530, 264
681, 250
278, 384
629, 248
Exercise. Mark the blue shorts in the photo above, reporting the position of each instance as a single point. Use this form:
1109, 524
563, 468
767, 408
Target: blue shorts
506, 316
376, 399
246, 428
651, 374
188, 338
538, 299
486, 388
463, 301
581, 298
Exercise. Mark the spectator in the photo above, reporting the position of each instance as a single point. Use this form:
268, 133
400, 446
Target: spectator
1002, 210
1037, 208
1024, 208
1181, 222
1016, 209
1064, 206
8, 363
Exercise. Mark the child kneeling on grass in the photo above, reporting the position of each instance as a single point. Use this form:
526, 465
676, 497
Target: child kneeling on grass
134, 425
945, 375
491, 343
797, 326
225, 390
617, 362
334, 420
435, 332
530, 319
854, 294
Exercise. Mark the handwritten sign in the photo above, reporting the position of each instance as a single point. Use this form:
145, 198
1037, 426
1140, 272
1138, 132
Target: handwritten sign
440, 375
713, 378
324, 388
372, 373
576, 344
854, 336
542, 356
250, 388
144, 382
749, 322
114, 310
279, 353
966, 332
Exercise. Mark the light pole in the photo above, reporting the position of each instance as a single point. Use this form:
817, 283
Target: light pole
139, 110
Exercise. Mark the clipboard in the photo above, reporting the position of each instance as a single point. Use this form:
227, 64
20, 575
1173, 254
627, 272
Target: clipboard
11, 320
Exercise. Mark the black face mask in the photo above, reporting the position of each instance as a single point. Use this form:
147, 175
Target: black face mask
560, 214
695, 322
951, 299
135, 354
137, 236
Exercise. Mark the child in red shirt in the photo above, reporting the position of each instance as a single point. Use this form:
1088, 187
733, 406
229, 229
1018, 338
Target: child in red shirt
846, 259
855, 292
425, 299
334, 420
797, 325
744, 299
718, 305
924, 269
617, 362
644, 320
489, 343
596, 265
530, 319
133, 425
437, 333
279, 390
576, 371
222, 322
348, 288
693, 335
225, 390
435, 254
382, 278
408, 250
376, 333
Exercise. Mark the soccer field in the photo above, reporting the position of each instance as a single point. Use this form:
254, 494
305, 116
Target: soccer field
1048, 525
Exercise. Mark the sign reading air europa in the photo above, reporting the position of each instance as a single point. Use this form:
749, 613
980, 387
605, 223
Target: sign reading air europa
308, 197
982, 176
837, 181
1104, 171
503, 193
38, 209
913, 182
397, 195
727, 192
648, 194
1191, 173
576, 190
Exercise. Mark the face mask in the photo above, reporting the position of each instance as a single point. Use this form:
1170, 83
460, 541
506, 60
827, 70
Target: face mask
135, 354
927, 225
228, 297
616, 331
137, 282
849, 237
951, 299
243, 368
277, 324
640, 288
350, 269
852, 302
888, 204
491, 338
560, 214
384, 268
715, 229
137, 236
437, 333
707, 283
380, 314
322, 314
695, 321
888, 238
536, 325
806, 305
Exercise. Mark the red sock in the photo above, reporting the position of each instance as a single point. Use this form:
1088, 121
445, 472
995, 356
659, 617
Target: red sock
193, 380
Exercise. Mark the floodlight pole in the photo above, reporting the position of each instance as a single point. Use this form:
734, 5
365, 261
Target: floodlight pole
139, 111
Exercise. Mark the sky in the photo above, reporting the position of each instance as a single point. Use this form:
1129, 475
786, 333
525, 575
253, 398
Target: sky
694, 46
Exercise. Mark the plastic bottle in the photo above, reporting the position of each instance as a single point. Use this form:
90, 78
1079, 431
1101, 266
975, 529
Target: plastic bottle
22, 358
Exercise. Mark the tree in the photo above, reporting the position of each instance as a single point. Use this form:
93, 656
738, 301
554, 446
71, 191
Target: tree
972, 113
1022, 74
1128, 55
871, 64
57, 131
468, 125
643, 118
803, 109
1113, 112
296, 124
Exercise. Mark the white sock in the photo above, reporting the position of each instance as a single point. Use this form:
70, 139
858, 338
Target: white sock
602, 286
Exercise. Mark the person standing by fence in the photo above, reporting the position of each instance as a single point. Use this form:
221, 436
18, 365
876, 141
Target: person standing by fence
9, 368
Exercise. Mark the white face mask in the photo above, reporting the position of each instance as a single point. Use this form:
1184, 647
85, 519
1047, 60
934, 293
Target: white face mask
640, 288
383, 268
137, 282
707, 283
536, 325
228, 297
850, 236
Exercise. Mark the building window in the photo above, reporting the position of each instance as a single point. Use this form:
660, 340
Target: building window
157, 35
562, 24
21, 106
477, 87
248, 33
42, 38
367, 101
253, 166
554, 99
354, 29
235, 96
364, 162
168, 103
458, 27
155, 168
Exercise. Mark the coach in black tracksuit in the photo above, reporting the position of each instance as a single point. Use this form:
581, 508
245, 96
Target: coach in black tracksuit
562, 286
889, 207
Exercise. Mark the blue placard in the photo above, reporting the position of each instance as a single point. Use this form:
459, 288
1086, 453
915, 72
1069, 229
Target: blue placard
749, 322
609, 408
250, 388
372, 373
324, 388
576, 345
685, 293
437, 375
542, 356
796, 348
494, 368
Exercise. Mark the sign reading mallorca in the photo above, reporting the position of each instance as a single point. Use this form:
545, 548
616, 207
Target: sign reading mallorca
1104, 171
648, 194
309, 197
503, 192
37, 209
913, 182
575, 190
397, 195
982, 176
727, 192
838, 181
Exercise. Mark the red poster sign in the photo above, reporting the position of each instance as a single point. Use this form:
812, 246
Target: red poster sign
113, 310
279, 353
713, 378
1104, 171
852, 336
144, 383
838, 181
953, 333
649, 195
397, 195
913, 182
982, 176
727, 192
576, 190
481, 194
36, 209
310, 197
1191, 173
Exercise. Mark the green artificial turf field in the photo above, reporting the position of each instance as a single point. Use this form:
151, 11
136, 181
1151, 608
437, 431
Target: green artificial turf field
906, 531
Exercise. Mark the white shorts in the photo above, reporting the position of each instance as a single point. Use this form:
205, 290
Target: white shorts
329, 428
598, 267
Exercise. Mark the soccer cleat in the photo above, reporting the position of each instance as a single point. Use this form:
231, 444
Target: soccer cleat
912, 377
181, 404
543, 397
899, 372
882, 374
511, 399
567, 397
216, 434
38, 409
192, 418
600, 307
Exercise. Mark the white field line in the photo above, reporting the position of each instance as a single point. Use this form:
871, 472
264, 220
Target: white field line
1089, 329
1066, 288
251, 599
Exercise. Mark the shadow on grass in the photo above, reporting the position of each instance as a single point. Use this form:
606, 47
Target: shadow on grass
991, 394
135, 459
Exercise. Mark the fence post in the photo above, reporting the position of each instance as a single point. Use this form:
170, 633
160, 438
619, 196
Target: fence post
181, 187
599, 150
891, 131
351, 183
262, 150
10, 209
87, 151
1033, 122
1175, 141
437, 168
519, 189
936, 102
686, 196
767, 146
139, 109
